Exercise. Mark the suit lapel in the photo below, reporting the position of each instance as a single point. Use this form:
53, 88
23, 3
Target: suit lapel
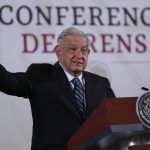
64, 85
89, 92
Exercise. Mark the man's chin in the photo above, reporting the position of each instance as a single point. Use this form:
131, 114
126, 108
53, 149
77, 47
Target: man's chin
78, 71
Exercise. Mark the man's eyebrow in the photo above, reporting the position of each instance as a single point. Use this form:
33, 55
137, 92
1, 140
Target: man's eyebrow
77, 45
72, 44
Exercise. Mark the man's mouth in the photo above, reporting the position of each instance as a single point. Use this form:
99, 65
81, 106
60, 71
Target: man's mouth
78, 62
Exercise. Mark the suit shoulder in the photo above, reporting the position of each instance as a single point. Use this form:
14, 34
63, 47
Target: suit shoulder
93, 75
40, 67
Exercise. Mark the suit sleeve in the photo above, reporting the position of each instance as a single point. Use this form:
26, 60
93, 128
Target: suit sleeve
17, 84
110, 92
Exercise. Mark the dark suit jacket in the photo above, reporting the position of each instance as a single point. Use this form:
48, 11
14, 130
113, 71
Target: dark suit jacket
55, 115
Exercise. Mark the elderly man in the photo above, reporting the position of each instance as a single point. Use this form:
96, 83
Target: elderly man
62, 95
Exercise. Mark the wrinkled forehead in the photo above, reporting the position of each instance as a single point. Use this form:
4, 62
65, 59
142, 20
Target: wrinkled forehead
74, 39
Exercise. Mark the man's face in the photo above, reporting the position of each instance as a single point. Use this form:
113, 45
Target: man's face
73, 53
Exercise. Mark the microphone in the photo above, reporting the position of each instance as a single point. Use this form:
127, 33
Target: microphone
144, 88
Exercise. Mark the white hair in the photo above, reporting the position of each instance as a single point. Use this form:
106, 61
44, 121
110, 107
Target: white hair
70, 31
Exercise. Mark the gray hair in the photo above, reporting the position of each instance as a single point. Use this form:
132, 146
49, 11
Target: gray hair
70, 31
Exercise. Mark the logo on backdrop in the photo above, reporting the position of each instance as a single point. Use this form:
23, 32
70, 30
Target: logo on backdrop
143, 109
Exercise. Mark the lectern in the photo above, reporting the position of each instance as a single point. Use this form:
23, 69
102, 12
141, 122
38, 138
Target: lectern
139, 147
113, 120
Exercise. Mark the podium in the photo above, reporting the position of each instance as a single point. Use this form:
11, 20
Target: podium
112, 121
139, 147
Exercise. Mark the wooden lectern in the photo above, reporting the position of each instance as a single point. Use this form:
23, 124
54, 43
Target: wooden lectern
139, 147
113, 120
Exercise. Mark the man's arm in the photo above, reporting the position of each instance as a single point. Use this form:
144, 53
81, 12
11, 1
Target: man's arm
17, 84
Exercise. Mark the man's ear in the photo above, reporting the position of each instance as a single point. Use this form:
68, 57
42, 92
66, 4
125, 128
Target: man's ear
57, 50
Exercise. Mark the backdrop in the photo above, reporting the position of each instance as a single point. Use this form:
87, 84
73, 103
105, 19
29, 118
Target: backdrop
119, 32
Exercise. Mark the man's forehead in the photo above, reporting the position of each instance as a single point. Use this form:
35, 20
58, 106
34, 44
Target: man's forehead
73, 40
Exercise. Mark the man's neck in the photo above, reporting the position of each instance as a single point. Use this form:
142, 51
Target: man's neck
75, 74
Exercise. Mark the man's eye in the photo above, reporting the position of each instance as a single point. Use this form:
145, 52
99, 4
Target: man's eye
85, 51
72, 49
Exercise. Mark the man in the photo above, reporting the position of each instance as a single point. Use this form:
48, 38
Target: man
59, 106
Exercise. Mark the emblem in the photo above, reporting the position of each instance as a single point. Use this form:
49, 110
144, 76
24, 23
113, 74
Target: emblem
143, 109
